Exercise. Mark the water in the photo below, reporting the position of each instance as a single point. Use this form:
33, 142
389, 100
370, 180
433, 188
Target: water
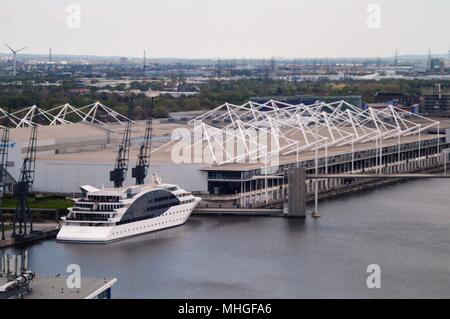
404, 228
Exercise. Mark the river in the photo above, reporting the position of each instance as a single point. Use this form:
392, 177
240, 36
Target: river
403, 228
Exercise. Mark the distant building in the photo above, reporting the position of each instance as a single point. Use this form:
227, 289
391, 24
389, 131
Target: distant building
177, 94
123, 60
437, 66
437, 103
395, 98
79, 91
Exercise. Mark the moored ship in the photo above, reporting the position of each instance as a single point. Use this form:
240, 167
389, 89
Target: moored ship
105, 215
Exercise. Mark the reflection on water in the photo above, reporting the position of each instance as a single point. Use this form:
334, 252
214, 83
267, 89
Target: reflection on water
404, 228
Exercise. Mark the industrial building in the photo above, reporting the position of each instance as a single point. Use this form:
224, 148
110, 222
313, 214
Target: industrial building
436, 66
236, 166
436, 103
322, 137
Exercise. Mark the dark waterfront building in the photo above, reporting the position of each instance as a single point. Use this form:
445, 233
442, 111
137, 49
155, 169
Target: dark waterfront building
437, 104
407, 156
396, 98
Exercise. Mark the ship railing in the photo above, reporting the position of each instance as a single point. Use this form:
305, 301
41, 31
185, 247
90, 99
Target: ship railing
93, 211
93, 219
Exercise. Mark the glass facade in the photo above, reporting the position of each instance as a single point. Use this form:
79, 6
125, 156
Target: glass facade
149, 205
232, 182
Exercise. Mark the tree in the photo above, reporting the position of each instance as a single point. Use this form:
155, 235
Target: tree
160, 112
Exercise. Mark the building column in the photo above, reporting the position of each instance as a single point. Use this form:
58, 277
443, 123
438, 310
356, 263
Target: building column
297, 192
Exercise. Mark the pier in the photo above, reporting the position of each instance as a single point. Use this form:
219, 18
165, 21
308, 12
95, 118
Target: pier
215, 211
294, 189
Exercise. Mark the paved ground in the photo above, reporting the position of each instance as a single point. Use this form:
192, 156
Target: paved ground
37, 226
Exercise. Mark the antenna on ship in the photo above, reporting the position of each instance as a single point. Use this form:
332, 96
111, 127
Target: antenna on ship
143, 161
121, 167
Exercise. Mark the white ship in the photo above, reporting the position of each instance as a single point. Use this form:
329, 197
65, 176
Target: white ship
106, 215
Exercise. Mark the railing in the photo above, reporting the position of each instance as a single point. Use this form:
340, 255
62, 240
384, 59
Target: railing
94, 219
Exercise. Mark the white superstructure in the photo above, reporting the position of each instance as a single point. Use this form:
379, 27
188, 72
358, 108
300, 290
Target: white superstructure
101, 216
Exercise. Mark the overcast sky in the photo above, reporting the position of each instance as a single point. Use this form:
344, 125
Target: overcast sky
227, 28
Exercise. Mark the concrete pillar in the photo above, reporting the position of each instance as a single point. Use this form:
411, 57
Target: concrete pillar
297, 192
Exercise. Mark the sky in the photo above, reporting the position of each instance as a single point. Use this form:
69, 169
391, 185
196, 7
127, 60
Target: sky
227, 28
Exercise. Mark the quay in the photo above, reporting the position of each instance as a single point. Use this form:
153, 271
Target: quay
42, 231
216, 211
292, 200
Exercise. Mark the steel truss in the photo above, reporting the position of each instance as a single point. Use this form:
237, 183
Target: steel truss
95, 113
293, 129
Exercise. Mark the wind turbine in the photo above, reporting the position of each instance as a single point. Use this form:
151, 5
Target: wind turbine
14, 52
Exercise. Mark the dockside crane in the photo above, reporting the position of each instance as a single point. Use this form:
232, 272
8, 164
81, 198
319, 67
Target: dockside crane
143, 161
23, 214
121, 167
4, 147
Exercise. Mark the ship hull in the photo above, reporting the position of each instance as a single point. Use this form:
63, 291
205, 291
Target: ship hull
174, 216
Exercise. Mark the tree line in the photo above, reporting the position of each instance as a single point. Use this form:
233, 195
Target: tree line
212, 94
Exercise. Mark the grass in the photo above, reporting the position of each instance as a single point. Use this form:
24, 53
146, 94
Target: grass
7, 227
43, 202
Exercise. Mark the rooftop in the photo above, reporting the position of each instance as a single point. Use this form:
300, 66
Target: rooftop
117, 191
332, 128
56, 288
